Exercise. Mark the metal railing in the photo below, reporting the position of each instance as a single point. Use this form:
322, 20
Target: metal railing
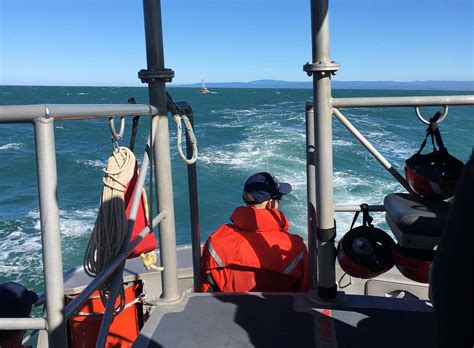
328, 263
321, 226
43, 117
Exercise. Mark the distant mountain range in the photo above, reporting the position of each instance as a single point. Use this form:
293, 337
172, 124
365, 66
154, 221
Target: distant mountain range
430, 85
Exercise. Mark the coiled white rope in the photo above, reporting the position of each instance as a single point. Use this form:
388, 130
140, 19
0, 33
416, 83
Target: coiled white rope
110, 228
179, 134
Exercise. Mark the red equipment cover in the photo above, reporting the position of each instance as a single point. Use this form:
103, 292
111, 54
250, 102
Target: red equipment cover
148, 243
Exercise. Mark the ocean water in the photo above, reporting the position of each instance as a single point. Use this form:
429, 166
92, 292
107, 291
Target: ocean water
239, 132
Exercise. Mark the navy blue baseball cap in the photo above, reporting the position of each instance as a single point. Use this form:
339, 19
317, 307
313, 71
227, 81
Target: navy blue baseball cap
264, 186
16, 300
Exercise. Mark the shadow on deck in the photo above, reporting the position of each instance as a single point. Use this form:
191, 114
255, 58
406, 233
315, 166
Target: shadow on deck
288, 320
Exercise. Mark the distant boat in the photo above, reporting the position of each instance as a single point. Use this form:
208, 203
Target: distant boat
204, 89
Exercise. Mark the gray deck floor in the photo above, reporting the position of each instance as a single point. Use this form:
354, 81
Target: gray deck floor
288, 320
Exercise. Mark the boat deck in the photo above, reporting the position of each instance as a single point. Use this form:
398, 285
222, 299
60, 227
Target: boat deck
286, 320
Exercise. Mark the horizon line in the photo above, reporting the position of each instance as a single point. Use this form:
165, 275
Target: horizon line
187, 84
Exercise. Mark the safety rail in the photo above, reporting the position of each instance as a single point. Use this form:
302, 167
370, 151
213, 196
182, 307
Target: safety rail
326, 261
324, 236
414, 101
62, 112
23, 323
43, 117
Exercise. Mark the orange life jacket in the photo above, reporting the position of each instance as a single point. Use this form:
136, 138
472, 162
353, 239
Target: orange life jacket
255, 253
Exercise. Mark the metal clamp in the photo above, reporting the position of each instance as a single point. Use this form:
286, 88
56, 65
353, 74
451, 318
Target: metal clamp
322, 68
326, 234
441, 118
152, 75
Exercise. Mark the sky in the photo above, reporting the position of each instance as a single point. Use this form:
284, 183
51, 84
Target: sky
101, 42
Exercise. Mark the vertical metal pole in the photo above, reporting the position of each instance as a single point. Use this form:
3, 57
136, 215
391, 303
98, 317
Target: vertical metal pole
326, 254
51, 238
194, 206
311, 193
156, 75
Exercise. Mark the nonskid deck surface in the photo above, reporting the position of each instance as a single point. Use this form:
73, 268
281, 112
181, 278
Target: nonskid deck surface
288, 320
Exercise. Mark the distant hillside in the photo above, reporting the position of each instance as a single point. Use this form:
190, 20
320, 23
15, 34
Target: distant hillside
429, 85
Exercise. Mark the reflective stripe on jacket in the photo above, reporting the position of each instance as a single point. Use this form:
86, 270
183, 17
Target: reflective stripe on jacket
255, 253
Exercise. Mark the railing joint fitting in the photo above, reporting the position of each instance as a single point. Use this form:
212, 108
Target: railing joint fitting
321, 68
152, 75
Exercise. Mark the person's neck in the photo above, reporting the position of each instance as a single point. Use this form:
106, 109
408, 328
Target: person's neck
270, 204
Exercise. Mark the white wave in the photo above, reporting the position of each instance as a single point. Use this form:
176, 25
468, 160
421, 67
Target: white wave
340, 142
232, 156
20, 250
11, 146
73, 223
93, 163
19, 242
376, 134
227, 125
82, 93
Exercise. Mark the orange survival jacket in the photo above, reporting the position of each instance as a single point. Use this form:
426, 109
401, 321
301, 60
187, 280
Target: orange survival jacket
255, 253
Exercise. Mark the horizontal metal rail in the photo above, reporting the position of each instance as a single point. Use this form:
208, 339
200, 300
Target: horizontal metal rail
352, 208
74, 305
402, 101
28, 113
23, 323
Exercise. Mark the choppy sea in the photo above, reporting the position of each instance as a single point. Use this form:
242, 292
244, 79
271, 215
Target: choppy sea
239, 132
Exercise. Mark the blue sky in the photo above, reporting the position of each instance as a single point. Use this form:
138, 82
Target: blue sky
101, 42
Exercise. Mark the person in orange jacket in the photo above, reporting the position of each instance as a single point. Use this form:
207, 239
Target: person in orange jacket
255, 252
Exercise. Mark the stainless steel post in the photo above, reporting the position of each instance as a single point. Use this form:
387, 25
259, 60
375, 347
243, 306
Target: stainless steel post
311, 193
193, 204
156, 76
321, 69
51, 238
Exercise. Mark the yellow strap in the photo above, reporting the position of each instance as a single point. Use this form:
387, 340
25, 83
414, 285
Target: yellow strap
149, 261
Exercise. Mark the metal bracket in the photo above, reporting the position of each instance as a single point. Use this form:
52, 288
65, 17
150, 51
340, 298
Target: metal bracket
326, 234
322, 68
440, 119
152, 75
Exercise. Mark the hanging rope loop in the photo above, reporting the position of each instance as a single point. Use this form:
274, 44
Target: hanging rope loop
179, 136
180, 116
